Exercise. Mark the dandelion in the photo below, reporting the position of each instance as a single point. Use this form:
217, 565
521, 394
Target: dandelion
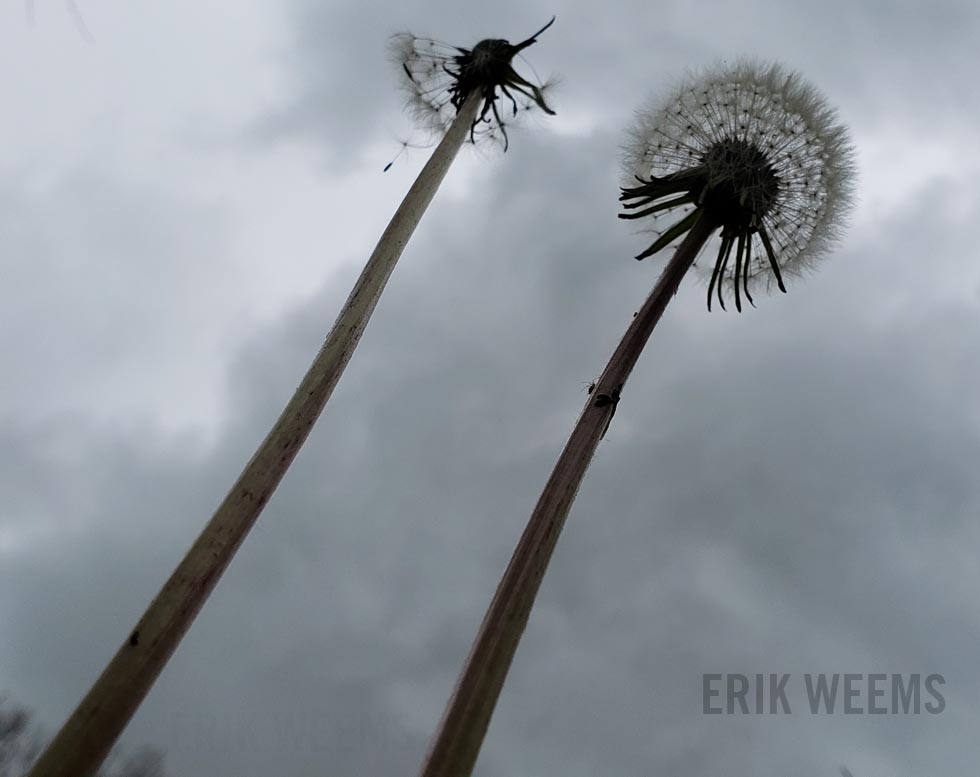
440, 77
754, 151
466, 102
749, 152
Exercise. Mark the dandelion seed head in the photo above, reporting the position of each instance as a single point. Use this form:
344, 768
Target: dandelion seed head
757, 150
438, 78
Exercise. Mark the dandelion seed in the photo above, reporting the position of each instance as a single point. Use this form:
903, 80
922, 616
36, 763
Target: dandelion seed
757, 152
405, 145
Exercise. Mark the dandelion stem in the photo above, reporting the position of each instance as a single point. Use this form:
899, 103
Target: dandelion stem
458, 739
86, 737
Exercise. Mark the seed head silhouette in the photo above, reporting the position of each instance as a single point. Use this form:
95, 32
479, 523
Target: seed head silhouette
439, 77
758, 152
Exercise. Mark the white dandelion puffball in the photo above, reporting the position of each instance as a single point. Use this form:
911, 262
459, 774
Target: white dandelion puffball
758, 152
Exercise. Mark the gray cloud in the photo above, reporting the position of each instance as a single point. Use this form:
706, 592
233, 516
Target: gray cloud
788, 490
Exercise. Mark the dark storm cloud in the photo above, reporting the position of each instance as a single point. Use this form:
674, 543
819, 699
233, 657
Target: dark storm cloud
778, 492
788, 490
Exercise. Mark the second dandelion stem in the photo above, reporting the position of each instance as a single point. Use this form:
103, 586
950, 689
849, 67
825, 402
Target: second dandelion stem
457, 741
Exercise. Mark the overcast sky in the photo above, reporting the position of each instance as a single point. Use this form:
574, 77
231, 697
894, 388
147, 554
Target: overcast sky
185, 199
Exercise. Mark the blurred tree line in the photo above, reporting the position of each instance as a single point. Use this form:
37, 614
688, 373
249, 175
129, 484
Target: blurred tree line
21, 741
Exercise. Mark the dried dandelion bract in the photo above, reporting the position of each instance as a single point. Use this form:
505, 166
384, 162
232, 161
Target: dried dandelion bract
756, 150
439, 77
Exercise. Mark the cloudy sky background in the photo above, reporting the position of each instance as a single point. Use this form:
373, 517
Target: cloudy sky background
185, 201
